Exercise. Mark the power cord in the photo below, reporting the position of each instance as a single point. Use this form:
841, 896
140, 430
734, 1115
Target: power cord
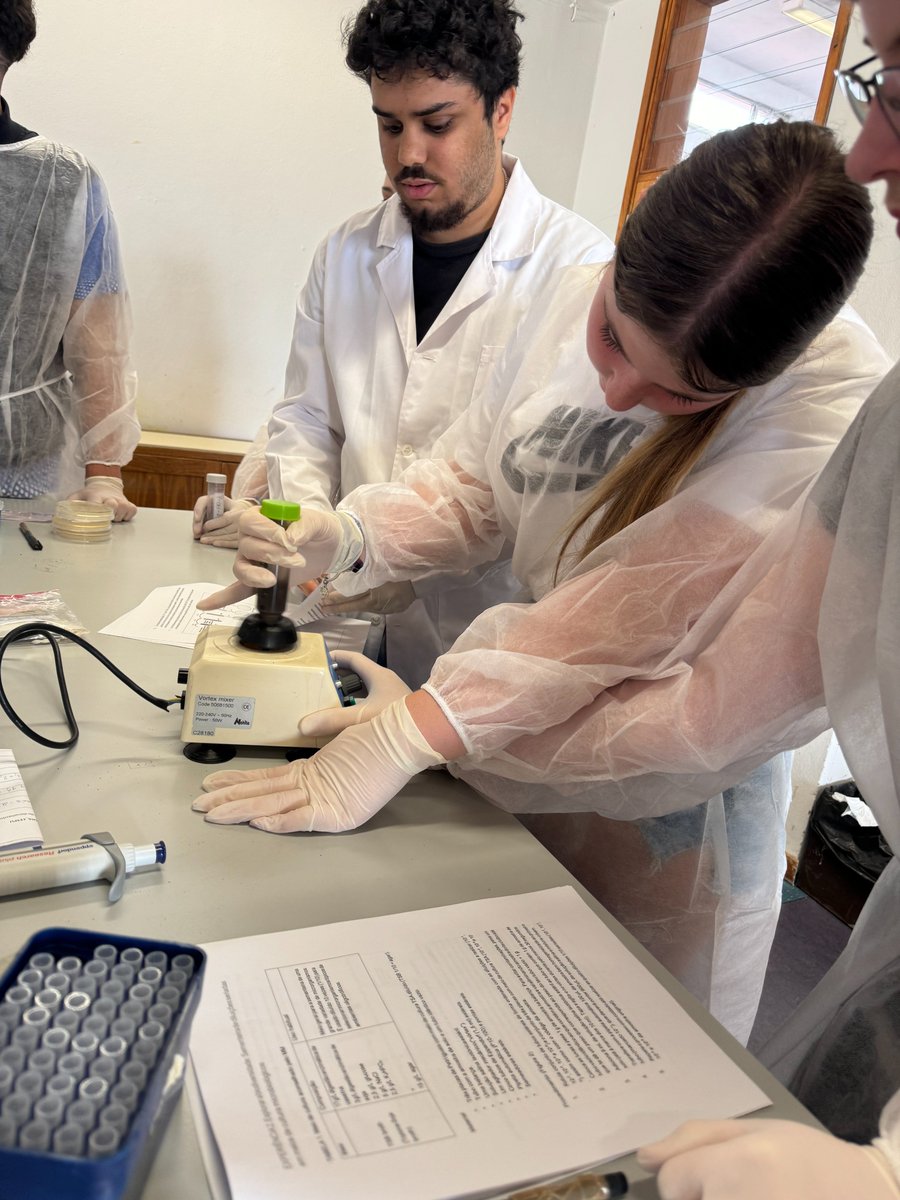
52, 633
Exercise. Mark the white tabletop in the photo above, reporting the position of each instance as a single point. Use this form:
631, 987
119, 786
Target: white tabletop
437, 843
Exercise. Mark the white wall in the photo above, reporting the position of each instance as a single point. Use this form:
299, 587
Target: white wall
232, 137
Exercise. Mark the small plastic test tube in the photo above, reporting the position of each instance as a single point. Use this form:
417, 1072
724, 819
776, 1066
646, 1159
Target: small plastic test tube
215, 490
63, 1085
16, 1106
26, 1036
134, 1072
143, 993
7, 1075
158, 959
70, 965
38, 1018
150, 975
83, 1113
113, 989
68, 1019
42, 961
57, 1040
115, 1047
77, 1002
8, 1131
43, 1061
162, 1013
9, 1013
72, 1064
69, 1139
176, 978
94, 1089
86, 1044
145, 1052
116, 1115
183, 962
20, 996
124, 971
125, 1093
133, 956
5, 1032
169, 995
134, 1010
31, 1084
104, 1068
49, 998
35, 1135
106, 1006
50, 1109
106, 953
104, 1140
31, 978
97, 1024
124, 1027
15, 1056
89, 984
60, 981
97, 969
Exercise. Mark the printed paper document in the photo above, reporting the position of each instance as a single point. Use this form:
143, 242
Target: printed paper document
18, 825
169, 615
448, 1052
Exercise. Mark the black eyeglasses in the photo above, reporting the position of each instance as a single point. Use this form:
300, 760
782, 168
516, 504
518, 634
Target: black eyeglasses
884, 86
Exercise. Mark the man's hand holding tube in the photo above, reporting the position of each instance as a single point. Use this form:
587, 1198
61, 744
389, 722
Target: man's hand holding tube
319, 543
766, 1160
339, 788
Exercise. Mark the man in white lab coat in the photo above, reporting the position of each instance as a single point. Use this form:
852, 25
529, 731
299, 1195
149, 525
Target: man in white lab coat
408, 305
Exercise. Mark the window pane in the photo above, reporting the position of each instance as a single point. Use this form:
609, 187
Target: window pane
740, 61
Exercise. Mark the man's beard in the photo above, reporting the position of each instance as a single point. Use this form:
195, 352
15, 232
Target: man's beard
436, 222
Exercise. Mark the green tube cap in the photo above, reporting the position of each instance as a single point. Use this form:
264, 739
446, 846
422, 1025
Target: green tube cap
280, 510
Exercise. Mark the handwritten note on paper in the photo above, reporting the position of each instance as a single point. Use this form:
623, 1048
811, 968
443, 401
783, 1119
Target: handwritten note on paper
18, 824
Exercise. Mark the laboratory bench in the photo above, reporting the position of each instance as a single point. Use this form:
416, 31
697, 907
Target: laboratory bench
438, 843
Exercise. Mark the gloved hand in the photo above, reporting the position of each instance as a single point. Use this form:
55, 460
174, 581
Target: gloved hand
219, 531
319, 542
389, 598
108, 490
339, 788
383, 686
765, 1160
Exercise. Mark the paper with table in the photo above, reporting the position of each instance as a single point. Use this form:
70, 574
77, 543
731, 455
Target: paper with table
449, 1052
169, 616
19, 827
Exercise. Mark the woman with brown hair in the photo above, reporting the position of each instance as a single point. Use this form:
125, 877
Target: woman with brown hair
726, 378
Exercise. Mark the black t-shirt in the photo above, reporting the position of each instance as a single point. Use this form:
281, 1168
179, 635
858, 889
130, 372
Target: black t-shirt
10, 132
437, 269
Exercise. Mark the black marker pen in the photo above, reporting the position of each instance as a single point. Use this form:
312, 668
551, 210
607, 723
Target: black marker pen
29, 537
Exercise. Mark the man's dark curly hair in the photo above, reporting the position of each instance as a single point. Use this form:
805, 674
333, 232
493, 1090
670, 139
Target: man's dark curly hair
474, 39
17, 30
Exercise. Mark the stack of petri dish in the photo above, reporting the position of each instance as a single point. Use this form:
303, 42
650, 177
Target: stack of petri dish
82, 521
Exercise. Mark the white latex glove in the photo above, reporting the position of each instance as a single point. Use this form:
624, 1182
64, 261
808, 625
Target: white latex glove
219, 531
389, 598
318, 544
383, 686
339, 788
765, 1160
108, 490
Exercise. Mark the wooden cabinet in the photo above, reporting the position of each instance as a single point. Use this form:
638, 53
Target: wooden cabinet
171, 477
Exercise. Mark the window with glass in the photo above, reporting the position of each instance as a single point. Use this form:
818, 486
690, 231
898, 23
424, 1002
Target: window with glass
718, 65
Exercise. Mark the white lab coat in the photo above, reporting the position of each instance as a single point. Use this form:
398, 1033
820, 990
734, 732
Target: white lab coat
363, 401
531, 689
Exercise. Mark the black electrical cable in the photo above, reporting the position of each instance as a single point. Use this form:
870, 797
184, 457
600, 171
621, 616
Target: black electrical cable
52, 633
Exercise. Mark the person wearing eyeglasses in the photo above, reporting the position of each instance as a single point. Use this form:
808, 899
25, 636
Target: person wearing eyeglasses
828, 612
67, 387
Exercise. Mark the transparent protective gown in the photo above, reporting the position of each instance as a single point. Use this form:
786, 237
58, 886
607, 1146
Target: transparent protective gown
67, 387
530, 687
